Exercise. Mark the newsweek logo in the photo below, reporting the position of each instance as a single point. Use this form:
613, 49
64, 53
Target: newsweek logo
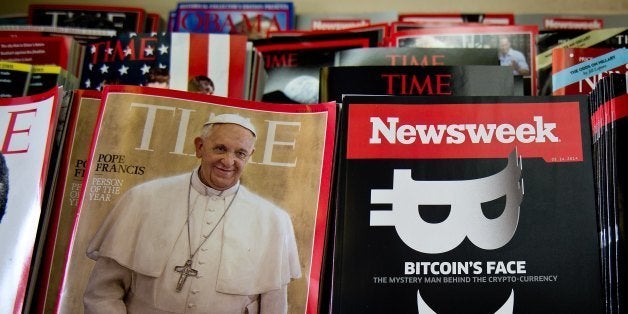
338, 24
547, 130
566, 23
538, 131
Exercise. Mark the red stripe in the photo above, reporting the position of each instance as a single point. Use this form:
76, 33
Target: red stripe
199, 55
609, 112
237, 60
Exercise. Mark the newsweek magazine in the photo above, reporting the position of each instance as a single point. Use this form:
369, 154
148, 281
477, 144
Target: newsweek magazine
608, 118
466, 204
436, 80
577, 70
518, 43
412, 21
339, 21
120, 19
572, 21
253, 19
454, 19
28, 127
144, 134
75, 150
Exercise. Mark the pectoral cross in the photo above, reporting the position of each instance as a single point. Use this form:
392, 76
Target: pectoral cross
185, 270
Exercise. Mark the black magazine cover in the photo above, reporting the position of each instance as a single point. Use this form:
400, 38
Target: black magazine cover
14, 79
121, 19
437, 80
466, 205
293, 63
45, 77
293, 70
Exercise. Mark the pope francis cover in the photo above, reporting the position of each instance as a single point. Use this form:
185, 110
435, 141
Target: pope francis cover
171, 220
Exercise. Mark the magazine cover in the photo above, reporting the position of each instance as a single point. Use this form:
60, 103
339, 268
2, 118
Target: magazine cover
81, 35
545, 42
608, 37
577, 70
377, 34
81, 124
452, 19
466, 205
14, 78
571, 21
213, 64
147, 138
339, 21
293, 63
42, 50
293, 69
548, 40
416, 56
14, 19
45, 77
121, 19
172, 20
27, 125
253, 19
437, 80
516, 44
129, 58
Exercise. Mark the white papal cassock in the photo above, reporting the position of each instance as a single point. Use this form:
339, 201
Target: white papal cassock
244, 266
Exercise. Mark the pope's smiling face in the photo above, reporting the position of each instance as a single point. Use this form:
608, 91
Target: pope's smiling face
224, 150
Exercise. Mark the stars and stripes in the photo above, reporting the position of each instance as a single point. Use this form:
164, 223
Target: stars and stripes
219, 57
126, 59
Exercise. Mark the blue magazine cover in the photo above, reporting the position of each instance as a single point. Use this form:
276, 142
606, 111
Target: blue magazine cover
254, 19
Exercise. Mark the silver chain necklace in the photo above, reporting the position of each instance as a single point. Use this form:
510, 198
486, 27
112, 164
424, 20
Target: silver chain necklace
187, 270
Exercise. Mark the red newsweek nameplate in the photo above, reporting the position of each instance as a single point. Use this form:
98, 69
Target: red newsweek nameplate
572, 23
338, 24
457, 18
442, 131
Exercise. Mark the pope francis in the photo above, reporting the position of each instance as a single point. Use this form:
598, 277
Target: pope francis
198, 242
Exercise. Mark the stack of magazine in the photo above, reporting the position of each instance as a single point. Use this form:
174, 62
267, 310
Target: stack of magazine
609, 118
431, 163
